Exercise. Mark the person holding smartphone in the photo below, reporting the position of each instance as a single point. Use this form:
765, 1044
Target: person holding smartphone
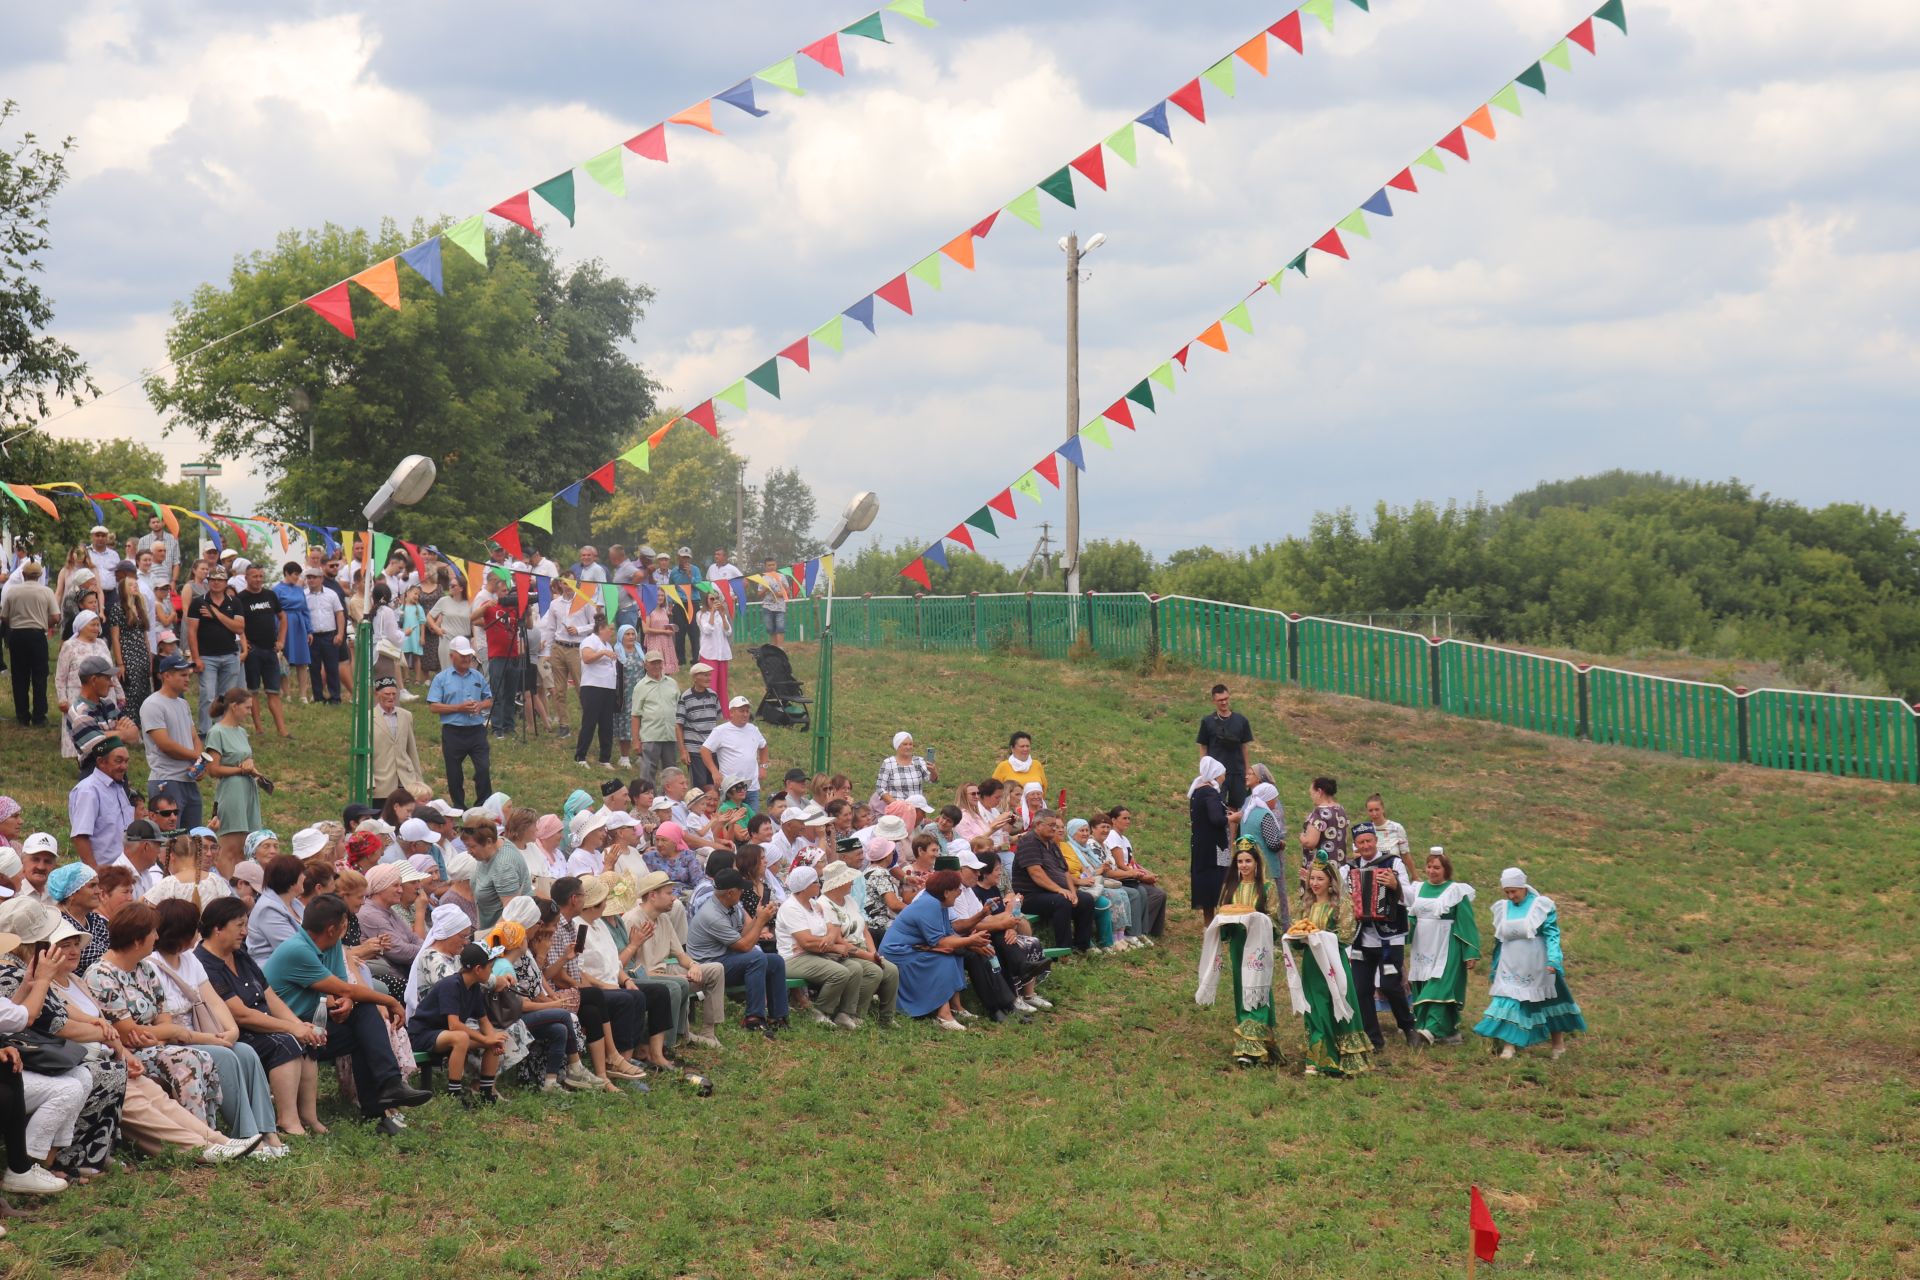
903, 773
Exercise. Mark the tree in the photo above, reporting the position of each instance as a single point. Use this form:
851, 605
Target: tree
34, 367
108, 466
1115, 566
684, 499
780, 523
513, 381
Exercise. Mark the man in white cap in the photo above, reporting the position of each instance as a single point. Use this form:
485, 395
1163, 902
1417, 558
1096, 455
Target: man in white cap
416, 837
815, 949
461, 697
102, 554
396, 753
695, 715
736, 749
651, 705
37, 857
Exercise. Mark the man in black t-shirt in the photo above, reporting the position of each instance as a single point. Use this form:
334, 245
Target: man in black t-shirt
1225, 735
215, 643
266, 631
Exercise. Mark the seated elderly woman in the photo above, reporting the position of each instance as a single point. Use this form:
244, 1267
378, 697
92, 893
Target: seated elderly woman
71, 1113
888, 887
674, 858
1084, 858
276, 915
191, 878
132, 995
459, 895
879, 976
72, 888
278, 1038
922, 943
198, 1016
539, 1000
816, 951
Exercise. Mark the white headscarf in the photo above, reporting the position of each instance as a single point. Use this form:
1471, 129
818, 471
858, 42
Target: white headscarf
523, 911
1026, 809
1211, 772
1514, 878
447, 922
497, 805
901, 738
1266, 795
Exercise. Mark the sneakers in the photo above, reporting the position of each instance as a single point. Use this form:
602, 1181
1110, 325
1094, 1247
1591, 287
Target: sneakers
1020, 1003
704, 1041
626, 762
948, 1024
821, 1018
576, 1076
36, 1181
1039, 1002
552, 1085
233, 1149
265, 1152
1425, 1035
583, 764
846, 1022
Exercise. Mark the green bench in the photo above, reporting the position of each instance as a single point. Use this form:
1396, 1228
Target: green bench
1051, 953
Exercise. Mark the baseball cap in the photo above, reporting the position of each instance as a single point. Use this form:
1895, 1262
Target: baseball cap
416, 829
140, 829
797, 775
218, 571
174, 662
653, 657
40, 842
126, 566
685, 551
199, 833
738, 701
462, 645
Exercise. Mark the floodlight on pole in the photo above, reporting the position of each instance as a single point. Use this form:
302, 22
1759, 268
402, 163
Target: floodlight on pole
858, 517
1075, 251
407, 484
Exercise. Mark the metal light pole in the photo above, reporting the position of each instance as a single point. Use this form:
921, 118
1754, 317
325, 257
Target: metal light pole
407, 485
1070, 245
855, 519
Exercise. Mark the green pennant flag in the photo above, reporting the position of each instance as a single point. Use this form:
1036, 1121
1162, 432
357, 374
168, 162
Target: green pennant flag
830, 334
1321, 9
558, 192
1431, 159
541, 517
927, 269
1299, 264
1508, 99
1142, 395
610, 599
1273, 281
767, 378
1164, 374
1028, 484
869, 26
983, 521
1239, 318
383, 547
1220, 75
605, 169
1534, 77
469, 234
1122, 145
1560, 56
783, 75
641, 456
1059, 185
1615, 12
912, 11
1025, 206
1355, 222
1096, 431
736, 395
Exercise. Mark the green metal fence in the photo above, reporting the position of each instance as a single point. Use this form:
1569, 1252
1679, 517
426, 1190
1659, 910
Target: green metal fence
1682, 717
1519, 689
1120, 626
1224, 637
1832, 733
1366, 662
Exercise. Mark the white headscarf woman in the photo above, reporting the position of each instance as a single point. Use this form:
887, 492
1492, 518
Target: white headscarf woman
523, 911
1211, 773
448, 922
1033, 797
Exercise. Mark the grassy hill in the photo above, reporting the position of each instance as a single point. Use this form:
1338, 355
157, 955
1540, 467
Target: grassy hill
1742, 942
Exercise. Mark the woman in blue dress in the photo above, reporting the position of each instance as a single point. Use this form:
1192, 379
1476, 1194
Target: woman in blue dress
293, 604
1528, 976
923, 946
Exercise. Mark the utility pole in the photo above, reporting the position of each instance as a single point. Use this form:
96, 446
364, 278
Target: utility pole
740, 509
1072, 557
1042, 551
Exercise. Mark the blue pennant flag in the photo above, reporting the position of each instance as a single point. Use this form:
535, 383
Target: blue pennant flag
543, 588
861, 311
649, 596
741, 96
425, 258
1073, 453
100, 517
738, 586
813, 575
936, 554
1156, 120
570, 495
1377, 203
330, 536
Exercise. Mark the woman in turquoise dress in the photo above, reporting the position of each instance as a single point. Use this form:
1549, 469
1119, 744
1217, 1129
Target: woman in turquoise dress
1441, 950
1531, 1001
1242, 919
1316, 950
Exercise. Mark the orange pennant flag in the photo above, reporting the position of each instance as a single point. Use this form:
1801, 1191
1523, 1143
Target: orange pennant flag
699, 115
382, 280
653, 441
960, 249
1254, 53
1213, 337
28, 493
1481, 122
171, 521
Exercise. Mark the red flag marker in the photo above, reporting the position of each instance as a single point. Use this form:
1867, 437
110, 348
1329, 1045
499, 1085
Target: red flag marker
1582, 35
1485, 1236
1190, 100
1403, 181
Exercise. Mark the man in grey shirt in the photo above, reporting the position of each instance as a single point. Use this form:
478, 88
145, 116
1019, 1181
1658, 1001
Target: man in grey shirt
28, 614
165, 548
166, 727
722, 933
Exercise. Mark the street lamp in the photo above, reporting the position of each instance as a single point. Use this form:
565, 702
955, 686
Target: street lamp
857, 518
1075, 251
407, 484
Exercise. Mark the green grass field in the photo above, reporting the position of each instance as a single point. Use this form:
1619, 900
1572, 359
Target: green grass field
1746, 1105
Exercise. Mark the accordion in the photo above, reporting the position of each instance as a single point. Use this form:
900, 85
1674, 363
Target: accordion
1376, 895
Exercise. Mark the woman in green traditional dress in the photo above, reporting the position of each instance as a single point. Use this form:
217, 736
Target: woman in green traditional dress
1441, 950
1321, 980
1531, 1001
1242, 919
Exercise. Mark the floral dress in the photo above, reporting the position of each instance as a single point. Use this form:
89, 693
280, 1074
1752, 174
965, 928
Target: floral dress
182, 1070
98, 1127
137, 676
658, 629
531, 984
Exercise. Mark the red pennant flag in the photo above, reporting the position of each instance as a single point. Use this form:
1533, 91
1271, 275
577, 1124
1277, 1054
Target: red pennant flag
896, 292
1288, 29
1121, 413
800, 354
1090, 163
1213, 336
1181, 355
985, 225
1003, 503
419, 565
702, 413
826, 52
961, 534
1582, 35
1403, 181
1189, 99
335, 307
800, 575
1486, 1236
509, 540
1481, 121
1330, 243
1048, 468
917, 571
517, 209
521, 581
651, 145
604, 478
1455, 142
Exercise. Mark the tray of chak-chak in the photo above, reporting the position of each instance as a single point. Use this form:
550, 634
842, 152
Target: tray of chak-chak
1235, 910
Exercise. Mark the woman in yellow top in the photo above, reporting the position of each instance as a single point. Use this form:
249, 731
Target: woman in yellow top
1337, 1044
1243, 919
1020, 768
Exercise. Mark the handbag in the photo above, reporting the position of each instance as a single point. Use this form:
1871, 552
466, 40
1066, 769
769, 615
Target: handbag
504, 1006
45, 1054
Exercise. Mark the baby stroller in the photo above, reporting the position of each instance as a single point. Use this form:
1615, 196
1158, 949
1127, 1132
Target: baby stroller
786, 701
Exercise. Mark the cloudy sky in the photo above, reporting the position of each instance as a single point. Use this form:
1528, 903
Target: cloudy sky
1700, 253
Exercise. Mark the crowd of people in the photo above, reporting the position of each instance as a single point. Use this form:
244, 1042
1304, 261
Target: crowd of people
1365, 934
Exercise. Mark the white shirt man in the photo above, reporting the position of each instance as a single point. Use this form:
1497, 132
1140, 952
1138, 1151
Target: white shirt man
736, 748
323, 607
720, 570
590, 569
103, 556
572, 626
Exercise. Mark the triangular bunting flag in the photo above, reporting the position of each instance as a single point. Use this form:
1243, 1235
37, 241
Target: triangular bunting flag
653, 441
1028, 484
517, 210
1481, 122
1122, 144
603, 476
1288, 31
1059, 185
1582, 35
607, 170
1163, 375
1354, 223
1455, 142
1155, 118
927, 270
937, 553
1508, 99
382, 280
1403, 181
469, 235
1048, 469
960, 534
798, 352
1559, 56
741, 96
1238, 318
912, 11
1534, 77
917, 571
1121, 413
1142, 395
1213, 336
767, 378
640, 456
1093, 165
983, 521
829, 335
1613, 11
826, 52
1330, 243
1096, 431
1298, 264
702, 413
424, 258
1432, 160
650, 145
1191, 100
979, 229
1003, 503
861, 311
736, 394
1254, 53
570, 495
783, 75
558, 192
697, 116
1026, 206
1181, 355
1220, 75
541, 517
335, 307
897, 292
1073, 453
960, 249
1377, 204
869, 27
1321, 9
